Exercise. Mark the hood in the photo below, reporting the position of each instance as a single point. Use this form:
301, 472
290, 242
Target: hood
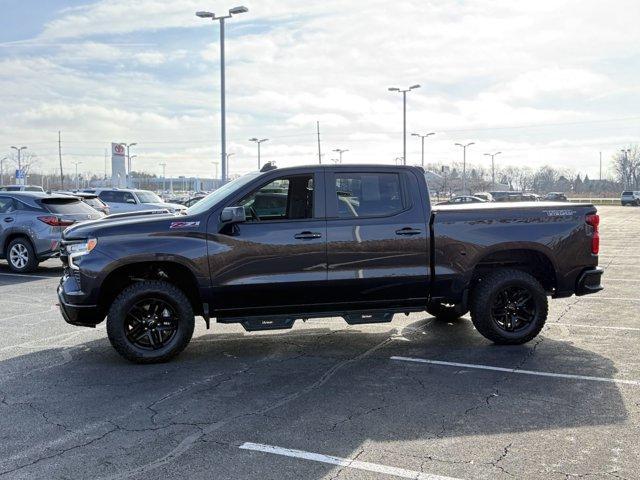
169, 206
123, 225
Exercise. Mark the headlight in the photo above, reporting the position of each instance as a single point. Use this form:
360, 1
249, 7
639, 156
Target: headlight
75, 250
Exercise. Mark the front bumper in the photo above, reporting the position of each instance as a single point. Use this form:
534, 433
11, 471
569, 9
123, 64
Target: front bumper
75, 314
589, 281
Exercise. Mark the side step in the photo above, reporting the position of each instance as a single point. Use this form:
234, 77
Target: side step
361, 318
254, 324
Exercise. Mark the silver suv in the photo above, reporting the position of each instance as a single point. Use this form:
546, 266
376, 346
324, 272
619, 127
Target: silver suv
31, 226
126, 200
630, 198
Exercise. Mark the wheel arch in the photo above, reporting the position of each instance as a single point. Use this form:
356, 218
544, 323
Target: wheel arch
14, 235
532, 259
170, 271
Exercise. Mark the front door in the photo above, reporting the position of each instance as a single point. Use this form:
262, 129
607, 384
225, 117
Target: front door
377, 238
8, 217
276, 261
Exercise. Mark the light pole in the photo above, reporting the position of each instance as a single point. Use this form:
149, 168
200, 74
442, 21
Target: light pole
340, 151
223, 126
493, 167
129, 145
2, 170
164, 176
404, 116
77, 178
258, 141
227, 157
422, 137
464, 164
19, 150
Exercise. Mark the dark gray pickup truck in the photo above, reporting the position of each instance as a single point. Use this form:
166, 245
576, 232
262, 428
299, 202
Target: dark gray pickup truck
357, 241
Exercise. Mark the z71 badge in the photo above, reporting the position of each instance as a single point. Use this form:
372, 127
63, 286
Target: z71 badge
175, 225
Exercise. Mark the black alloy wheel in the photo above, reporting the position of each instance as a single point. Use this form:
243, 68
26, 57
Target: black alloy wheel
151, 324
513, 308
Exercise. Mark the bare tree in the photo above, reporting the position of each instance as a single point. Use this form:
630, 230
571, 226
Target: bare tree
626, 165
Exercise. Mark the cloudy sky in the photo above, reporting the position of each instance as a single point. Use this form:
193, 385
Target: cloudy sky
546, 82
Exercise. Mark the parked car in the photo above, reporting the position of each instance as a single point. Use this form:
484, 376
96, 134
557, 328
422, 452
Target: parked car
630, 197
516, 197
31, 226
21, 188
555, 197
129, 200
90, 199
486, 196
462, 199
389, 252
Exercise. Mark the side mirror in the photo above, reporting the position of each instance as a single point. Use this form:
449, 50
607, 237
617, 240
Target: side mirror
233, 215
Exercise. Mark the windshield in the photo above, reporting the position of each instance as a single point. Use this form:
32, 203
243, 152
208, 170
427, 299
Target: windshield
213, 198
148, 197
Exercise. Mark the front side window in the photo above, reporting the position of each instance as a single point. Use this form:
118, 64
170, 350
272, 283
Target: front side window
287, 198
368, 194
148, 197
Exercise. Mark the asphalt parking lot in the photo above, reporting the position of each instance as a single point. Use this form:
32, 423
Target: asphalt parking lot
410, 399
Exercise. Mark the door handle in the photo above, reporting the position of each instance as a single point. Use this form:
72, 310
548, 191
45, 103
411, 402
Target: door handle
307, 235
408, 231
8, 219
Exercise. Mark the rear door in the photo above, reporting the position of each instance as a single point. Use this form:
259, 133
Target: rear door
8, 217
377, 238
277, 259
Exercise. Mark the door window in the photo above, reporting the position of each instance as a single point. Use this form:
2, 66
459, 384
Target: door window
6, 205
368, 194
287, 198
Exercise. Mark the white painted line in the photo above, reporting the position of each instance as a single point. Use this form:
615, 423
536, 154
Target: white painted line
515, 370
606, 327
28, 275
343, 462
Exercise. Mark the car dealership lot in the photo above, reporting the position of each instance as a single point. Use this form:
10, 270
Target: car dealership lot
325, 400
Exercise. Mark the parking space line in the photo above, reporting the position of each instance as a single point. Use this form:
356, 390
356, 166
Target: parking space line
515, 370
27, 275
606, 327
343, 462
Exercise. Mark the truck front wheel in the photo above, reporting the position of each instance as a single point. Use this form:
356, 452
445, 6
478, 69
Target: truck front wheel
509, 307
150, 322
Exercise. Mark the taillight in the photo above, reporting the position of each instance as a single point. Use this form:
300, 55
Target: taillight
56, 221
594, 221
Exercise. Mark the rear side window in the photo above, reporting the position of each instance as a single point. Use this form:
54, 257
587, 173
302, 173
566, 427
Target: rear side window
368, 194
117, 197
7, 205
93, 202
67, 207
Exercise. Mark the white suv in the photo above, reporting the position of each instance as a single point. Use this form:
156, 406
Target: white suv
125, 200
630, 198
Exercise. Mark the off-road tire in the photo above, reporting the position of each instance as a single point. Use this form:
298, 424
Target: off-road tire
25, 245
445, 313
135, 293
482, 299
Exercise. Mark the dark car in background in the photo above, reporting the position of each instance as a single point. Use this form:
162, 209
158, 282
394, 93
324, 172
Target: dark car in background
31, 225
555, 197
462, 199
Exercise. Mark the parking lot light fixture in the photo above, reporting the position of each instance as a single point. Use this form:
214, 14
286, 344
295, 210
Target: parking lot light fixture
223, 122
464, 164
340, 151
258, 141
493, 167
404, 116
422, 137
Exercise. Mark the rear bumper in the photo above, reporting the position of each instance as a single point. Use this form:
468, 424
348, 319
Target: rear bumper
80, 315
589, 281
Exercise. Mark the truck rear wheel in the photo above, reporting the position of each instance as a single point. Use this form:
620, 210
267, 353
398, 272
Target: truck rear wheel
509, 307
445, 312
150, 322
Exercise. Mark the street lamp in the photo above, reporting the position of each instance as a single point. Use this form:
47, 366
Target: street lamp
404, 116
77, 178
493, 167
399, 160
21, 180
223, 126
422, 137
464, 164
340, 151
256, 140
2, 170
